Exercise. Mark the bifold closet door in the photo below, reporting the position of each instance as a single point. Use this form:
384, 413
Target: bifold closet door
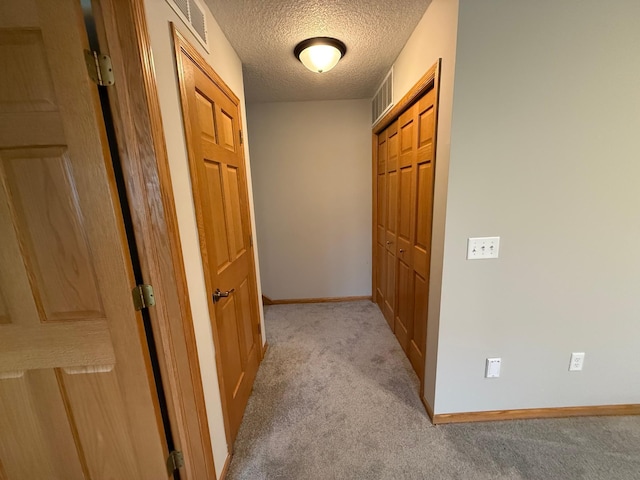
381, 208
421, 233
404, 189
407, 139
391, 223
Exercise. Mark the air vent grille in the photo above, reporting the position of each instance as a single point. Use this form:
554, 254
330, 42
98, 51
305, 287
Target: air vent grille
191, 12
383, 99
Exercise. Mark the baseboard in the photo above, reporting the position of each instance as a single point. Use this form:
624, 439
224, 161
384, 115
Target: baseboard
268, 301
264, 349
530, 413
427, 408
225, 469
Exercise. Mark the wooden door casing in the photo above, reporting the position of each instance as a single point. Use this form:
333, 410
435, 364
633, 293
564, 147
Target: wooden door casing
212, 124
76, 387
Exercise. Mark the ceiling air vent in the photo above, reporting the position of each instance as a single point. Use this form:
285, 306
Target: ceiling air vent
191, 12
383, 99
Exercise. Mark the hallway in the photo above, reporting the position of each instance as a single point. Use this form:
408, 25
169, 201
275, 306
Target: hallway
336, 398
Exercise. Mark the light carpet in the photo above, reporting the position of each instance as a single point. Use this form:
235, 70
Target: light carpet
336, 398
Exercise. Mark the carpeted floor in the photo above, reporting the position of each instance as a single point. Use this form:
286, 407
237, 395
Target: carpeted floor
335, 398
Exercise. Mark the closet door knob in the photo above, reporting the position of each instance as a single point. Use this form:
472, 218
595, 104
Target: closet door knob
402, 250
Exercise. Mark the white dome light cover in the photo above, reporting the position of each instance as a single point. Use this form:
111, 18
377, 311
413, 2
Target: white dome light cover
320, 54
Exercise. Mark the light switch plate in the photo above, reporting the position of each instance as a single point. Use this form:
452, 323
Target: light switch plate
479, 248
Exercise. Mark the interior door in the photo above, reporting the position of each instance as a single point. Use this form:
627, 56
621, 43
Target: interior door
212, 122
381, 214
391, 222
406, 206
77, 397
422, 219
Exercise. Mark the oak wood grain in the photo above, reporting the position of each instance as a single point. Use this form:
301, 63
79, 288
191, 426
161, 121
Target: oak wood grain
521, 414
134, 102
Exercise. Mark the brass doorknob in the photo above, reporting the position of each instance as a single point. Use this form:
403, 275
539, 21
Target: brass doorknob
402, 250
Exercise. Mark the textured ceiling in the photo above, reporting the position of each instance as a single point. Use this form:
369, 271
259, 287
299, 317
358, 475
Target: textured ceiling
265, 32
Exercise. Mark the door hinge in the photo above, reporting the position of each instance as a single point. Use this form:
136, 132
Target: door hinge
99, 67
241, 139
143, 297
175, 461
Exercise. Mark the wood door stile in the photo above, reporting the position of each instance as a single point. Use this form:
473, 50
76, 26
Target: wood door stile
404, 190
217, 166
76, 386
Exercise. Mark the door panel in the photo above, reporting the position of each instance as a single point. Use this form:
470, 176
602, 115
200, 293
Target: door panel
392, 210
76, 390
390, 298
381, 258
406, 206
381, 279
392, 147
404, 306
382, 208
40, 184
407, 146
212, 123
382, 152
417, 344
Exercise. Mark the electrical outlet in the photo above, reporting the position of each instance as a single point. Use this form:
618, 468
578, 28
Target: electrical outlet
492, 369
479, 248
577, 361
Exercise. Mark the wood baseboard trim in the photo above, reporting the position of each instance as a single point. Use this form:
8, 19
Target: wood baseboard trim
530, 413
225, 469
427, 408
288, 301
264, 349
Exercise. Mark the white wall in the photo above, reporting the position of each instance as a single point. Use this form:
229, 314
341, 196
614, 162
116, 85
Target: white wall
226, 63
312, 185
434, 37
544, 154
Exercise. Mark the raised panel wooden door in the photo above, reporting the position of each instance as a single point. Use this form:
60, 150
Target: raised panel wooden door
77, 398
391, 223
421, 235
212, 123
407, 147
381, 209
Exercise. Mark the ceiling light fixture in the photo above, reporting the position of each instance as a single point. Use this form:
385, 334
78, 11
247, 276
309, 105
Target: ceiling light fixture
320, 54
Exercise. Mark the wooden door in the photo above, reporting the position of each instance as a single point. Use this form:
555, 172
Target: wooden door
212, 122
391, 222
409, 144
381, 214
77, 397
406, 208
423, 165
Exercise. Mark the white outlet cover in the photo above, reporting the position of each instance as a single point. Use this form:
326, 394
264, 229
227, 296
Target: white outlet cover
577, 361
480, 248
492, 369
